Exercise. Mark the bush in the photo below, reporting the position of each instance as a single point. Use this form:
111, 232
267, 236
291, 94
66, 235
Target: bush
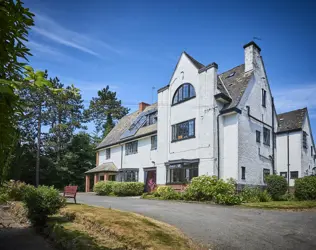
305, 188
287, 197
225, 193
103, 187
41, 202
201, 188
15, 189
276, 186
249, 194
167, 193
4, 197
128, 188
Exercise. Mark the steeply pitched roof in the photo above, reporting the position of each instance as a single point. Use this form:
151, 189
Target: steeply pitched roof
236, 81
114, 136
104, 167
197, 64
292, 120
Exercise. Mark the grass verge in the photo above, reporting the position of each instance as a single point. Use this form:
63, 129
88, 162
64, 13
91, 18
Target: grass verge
87, 227
282, 205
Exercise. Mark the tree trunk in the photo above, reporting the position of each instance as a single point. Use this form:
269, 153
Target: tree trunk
39, 127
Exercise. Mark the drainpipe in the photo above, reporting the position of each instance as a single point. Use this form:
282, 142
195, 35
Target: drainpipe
121, 161
273, 136
288, 162
218, 147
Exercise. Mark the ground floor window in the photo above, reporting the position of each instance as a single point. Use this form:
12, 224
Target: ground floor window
101, 178
182, 172
266, 172
128, 175
283, 174
294, 174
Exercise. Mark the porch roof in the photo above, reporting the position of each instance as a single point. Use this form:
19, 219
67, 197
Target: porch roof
104, 167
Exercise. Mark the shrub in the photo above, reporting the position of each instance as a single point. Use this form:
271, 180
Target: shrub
225, 193
42, 202
4, 197
264, 196
128, 188
15, 189
255, 194
167, 193
276, 186
103, 187
201, 188
287, 197
305, 188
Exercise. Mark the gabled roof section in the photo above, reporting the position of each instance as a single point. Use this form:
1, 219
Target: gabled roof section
291, 121
104, 167
197, 64
235, 81
114, 137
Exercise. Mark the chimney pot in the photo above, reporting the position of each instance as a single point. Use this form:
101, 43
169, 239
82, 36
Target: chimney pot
252, 50
142, 106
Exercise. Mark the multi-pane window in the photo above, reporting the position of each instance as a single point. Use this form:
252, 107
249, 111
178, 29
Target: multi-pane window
304, 139
266, 136
283, 174
266, 172
264, 97
182, 173
154, 142
151, 119
183, 130
311, 150
183, 93
131, 148
294, 174
258, 135
128, 175
108, 153
243, 173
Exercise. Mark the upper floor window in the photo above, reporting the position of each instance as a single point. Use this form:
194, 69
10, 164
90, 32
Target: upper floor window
154, 142
258, 136
304, 139
183, 130
108, 153
311, 150
184, 92
131, 148
264, 97
266, 136
151, 119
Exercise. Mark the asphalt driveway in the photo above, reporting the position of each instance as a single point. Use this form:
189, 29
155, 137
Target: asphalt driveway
223, 227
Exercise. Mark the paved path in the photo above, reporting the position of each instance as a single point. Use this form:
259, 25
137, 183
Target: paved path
16, 237
224, 227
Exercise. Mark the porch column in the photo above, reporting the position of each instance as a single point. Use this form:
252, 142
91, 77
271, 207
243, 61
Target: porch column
87, 183
95, 178
106, 176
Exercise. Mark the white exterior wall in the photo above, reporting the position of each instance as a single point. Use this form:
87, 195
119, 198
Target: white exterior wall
143, 159
295, 148
248, 148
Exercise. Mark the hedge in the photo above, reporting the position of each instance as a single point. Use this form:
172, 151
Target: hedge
127, 188
103, 187
305, 188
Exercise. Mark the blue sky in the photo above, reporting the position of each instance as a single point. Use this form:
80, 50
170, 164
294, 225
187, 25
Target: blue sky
134, 46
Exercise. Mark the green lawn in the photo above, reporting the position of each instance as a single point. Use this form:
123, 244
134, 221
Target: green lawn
283, 204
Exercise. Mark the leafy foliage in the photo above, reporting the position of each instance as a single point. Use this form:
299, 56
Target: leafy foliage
276, 186
255, 194
42, 202
167, 193
103, 187
128, 188
105, 107
305, 188
15, 190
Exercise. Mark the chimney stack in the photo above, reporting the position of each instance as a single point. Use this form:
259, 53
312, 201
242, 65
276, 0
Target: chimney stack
142, 106
252, 51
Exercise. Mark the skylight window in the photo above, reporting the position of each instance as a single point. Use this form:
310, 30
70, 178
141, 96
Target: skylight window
231, 74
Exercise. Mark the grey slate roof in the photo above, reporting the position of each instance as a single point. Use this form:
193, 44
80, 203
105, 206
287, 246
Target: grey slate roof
235, 84
292, 120
114, 136
104, 167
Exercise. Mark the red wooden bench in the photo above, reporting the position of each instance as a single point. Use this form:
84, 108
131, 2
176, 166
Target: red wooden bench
70, 192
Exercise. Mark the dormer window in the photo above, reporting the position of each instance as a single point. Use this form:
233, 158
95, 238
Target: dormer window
184, 92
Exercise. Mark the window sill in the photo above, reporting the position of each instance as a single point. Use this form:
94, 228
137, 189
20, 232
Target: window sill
153, 149
191, 137
177, 183
265, 144
131, 154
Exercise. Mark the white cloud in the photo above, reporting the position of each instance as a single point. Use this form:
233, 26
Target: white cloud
295, 97
53, 31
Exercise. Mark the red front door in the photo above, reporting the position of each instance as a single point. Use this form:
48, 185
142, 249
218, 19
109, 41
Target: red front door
151, 181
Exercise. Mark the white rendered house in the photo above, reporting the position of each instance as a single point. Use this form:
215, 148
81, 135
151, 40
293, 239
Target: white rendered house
296, 148
204, 123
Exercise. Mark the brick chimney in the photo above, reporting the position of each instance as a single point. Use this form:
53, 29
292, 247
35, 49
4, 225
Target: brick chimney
142, 106
252, 51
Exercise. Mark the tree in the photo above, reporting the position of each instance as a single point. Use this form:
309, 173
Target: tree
63, 116
15, 21
105, 110
79, 158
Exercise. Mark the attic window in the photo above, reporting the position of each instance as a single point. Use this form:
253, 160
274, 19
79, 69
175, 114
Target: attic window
231, 75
